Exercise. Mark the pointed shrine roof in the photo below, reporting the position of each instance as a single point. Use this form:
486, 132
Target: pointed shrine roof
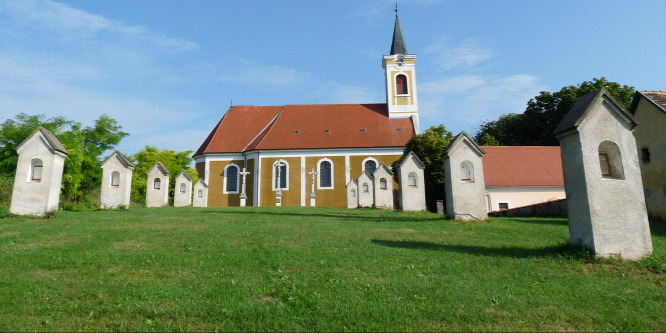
398, 45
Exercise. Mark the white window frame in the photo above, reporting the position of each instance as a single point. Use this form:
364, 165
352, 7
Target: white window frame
319, 174
274, 175
371, 159
224, 182
395, 84
111, 181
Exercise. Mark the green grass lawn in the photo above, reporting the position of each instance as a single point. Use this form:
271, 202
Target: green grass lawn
315, 269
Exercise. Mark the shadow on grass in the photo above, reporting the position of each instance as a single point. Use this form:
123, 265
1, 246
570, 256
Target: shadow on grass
658, 228
534, 220
342, 216
566, 250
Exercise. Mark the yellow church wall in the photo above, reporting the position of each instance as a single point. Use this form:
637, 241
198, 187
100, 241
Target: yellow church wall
201, 169
650, 134
290, 197
216, 197
335, 197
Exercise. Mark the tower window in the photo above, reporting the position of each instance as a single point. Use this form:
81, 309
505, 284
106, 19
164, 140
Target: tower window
401, 84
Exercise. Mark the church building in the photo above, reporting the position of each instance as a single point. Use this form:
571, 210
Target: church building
278, 152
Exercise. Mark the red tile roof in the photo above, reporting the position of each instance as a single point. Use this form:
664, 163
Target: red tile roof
522, 166
245, 128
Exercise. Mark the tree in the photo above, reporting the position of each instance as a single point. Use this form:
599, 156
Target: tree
174, 161
544, 112
85, 146
429, 147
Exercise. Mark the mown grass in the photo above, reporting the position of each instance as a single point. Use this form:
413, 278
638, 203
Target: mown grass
315, 269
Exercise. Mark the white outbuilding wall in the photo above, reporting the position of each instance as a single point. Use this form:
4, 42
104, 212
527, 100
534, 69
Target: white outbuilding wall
411, 182
200, 194
157, 187
116, 181
464, 183
182, 196
383, 184
605, 200
38, 174
352, 194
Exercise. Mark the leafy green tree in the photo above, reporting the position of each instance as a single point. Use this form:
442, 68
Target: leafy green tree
429, 146
85, 145
487, 140
174, 161
544, 112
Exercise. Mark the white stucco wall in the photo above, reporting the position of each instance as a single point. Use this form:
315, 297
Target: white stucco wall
465, 200
111, 196
605, 215
412, 198
157, 198
203, 200
37, 197
352, 198
365, 199
182, 199
518, 196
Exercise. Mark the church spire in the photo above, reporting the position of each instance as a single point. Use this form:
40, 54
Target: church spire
398, 45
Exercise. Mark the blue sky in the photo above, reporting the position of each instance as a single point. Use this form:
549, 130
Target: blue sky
168, 70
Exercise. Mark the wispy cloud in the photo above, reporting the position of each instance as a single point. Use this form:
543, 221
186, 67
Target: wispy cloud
463, 56
264, 76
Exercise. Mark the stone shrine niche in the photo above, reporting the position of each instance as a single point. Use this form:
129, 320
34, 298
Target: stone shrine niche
157, 189
411, 183
116, 188
605, 195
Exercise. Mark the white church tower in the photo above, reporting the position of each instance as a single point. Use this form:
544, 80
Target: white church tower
399, 71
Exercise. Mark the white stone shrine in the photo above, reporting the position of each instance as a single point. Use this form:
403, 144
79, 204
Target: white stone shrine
411, 183
464, 185
38, 174
157, 187
200, 194
383, 187
605, 200
116, 181
182, 196
366, 190
352, 194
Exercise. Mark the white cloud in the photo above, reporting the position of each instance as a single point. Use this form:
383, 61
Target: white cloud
465, 55
264, 76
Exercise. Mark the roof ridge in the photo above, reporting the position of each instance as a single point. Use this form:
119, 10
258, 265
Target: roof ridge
266, 129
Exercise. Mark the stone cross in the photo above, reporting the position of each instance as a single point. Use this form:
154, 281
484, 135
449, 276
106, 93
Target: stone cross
243, 196
278, 193
314, 174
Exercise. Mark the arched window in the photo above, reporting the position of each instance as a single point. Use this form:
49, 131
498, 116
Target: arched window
157, 184
467, 172
370, 165
382, 184
231, 178
200, 193
325, 168
401, 84
36, 167
411, 180
182, 187
353, 193
280, 175
115, 179
610, 160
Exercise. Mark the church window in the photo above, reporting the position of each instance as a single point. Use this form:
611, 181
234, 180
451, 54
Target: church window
610, 160
645, 155
182, 187
327, 131
370, 165
382, 184
325, 173
466, 172
115, 179
281, 175
36, 167
365, 188
353, 193
411, 180
401, 84
231, 178
399, 129
296, 131
200, 193
157, 184
362, 129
